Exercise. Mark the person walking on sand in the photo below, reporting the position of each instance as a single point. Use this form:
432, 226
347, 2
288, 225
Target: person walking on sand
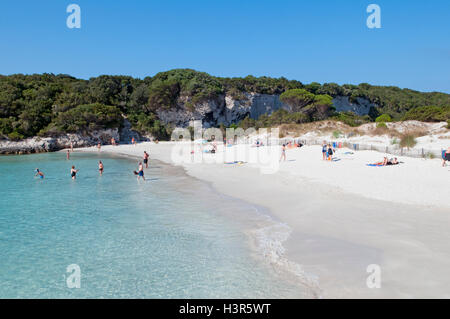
39, 173
283, 153
146, 156
100, 167
71, 146
73, 173
324, 150
68, 155
330, 153
141, 171
99, 146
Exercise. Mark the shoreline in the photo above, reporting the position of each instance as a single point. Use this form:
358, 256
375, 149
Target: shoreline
266, 234
335, 234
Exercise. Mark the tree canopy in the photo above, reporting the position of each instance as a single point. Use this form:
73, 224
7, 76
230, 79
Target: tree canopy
48, 104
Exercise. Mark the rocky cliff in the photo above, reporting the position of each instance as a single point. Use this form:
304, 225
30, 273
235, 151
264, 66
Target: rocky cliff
227, 109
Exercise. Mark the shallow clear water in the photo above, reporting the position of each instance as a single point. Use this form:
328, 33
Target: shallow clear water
169, 237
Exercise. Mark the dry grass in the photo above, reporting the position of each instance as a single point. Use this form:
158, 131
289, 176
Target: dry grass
328, 127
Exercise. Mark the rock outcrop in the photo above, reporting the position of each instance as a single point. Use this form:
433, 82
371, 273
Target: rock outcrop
224, 109
360, 107
50, 144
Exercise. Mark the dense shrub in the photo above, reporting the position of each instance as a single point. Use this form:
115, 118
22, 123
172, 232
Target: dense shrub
351, 118
429, 114
88, 117
383, 118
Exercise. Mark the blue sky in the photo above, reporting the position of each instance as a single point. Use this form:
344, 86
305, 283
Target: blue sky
321, 40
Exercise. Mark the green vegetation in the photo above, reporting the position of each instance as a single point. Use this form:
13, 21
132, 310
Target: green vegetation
316, 107
429, 114
47, 104
84, 118
351, 119
408, 141
276, 118
394, 141
381, 125
383, 118
337, 134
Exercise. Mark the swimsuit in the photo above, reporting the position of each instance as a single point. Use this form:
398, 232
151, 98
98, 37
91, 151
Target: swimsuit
141, 173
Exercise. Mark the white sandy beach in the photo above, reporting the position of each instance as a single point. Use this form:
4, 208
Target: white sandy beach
343, 215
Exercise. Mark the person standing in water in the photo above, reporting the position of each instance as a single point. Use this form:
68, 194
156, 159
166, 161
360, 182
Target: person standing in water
100, 167
73, 173
68, 155
146, 156
39, 173
141, 171
283, 152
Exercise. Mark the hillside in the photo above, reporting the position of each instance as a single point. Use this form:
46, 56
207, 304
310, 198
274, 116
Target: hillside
50, 105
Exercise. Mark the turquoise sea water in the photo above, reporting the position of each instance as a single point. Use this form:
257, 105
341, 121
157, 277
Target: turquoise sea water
169, 237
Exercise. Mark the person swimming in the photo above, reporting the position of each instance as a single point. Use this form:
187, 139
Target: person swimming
100, 167
39, 173
73, 172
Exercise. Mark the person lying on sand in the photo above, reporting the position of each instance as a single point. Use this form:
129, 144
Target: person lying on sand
386, 162
393, 161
